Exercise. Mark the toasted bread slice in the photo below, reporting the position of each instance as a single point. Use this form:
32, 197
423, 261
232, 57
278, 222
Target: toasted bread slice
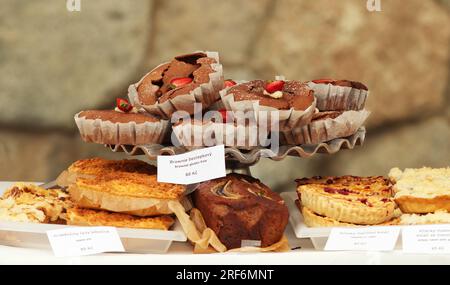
87, 217
424, 190
99, 166
130, 193
347, 204
372, 185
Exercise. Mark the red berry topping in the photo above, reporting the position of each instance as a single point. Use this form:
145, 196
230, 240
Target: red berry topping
123, 105
323, 81
177, 82
275, 86
224, 114
229, 83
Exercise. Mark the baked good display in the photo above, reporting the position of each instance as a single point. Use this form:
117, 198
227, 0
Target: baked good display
179, 84
121, 126
339, 95
239, 208
424, 190
354, 202
87, 217
122, 186
30, 203
326, 126
293, 100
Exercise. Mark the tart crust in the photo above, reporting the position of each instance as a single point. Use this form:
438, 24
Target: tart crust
349, 208
411, 204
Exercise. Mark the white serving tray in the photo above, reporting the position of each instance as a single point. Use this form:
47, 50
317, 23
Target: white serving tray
318, 236
32, 235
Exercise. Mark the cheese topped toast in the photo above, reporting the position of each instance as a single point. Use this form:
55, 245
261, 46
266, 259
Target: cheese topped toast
99, 166
124, 186
86, 217
135, 185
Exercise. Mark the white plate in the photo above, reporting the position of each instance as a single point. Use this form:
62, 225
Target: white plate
134, 240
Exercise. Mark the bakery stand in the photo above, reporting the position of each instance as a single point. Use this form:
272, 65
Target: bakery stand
241, 161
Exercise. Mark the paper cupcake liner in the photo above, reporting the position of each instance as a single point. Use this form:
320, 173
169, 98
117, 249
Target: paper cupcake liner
338, 98
196, 135
206, 94
131, 133
288, 119
325, 130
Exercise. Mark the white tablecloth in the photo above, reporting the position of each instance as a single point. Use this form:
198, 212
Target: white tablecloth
181, 254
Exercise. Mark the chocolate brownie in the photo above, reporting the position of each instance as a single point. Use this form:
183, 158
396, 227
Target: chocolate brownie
239, 207
117, 117
344, 83
294, 94
157, 85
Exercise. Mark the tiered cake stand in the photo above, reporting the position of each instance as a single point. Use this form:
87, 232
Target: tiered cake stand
237, 159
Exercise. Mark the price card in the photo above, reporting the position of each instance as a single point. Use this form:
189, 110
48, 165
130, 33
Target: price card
363, 239
78, 241
192, 167
426, 239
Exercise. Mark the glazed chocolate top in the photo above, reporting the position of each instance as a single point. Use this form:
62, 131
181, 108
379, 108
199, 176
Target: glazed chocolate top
345, 83
296, 95
237, 189
155, 87
117, 117
326, 115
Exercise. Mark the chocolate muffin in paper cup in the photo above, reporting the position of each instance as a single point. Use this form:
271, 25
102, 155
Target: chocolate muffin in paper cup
178, 84
326, 126
118, 128
193, 134
292, 102
339, 95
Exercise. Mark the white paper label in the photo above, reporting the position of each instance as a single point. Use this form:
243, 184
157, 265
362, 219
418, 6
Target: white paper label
192, 167
426, 239
78, 241
365, 238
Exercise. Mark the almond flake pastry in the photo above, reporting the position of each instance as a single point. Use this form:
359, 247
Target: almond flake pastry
30, 203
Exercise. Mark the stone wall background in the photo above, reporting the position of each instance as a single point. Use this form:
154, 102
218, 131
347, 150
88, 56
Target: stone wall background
54, 63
